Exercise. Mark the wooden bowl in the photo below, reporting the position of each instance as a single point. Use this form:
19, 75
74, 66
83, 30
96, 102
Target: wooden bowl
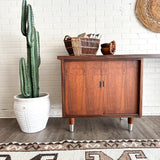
105, 45
108, 48
105, 51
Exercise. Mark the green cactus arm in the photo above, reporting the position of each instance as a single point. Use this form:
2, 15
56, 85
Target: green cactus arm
29, 66
38, 59
24, 17
30, 31
25, 85
38, 49
21, 77
34, 68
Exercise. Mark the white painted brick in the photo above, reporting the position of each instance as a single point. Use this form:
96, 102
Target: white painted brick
99, 12
147, 36
139, 41
115, 20
130, 35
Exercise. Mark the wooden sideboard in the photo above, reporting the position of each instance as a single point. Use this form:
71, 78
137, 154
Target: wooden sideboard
102, 86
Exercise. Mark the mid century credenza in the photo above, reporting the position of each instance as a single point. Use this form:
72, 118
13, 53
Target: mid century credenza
102, 86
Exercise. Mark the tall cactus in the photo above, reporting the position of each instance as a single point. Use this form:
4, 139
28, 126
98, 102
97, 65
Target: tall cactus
29, 75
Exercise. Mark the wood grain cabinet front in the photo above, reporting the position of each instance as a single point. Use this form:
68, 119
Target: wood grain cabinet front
102, 88
83, 94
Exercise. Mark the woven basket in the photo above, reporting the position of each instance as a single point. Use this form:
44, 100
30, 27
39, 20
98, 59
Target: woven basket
81, 46
148, 12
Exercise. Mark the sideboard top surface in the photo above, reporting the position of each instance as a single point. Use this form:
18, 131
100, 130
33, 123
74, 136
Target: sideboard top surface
109, 57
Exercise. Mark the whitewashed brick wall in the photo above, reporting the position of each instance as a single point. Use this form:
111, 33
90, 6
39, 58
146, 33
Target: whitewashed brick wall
114, 19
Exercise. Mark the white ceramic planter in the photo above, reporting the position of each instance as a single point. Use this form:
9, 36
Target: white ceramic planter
32, 113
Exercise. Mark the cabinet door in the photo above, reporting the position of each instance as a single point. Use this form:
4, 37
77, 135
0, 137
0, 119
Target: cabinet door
93, 89
83, 96
74, 101
121, 87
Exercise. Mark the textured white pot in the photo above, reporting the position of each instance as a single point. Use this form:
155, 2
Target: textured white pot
32, 113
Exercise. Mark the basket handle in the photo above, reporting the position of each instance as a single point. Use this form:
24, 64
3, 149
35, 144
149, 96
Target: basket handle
67, 37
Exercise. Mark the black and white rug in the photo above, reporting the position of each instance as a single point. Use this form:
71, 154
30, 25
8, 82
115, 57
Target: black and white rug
82, 150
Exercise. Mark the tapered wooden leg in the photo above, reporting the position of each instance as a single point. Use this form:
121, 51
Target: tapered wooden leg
71, 124
130, 124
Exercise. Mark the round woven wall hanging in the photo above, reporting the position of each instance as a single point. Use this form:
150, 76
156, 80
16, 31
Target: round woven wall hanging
148, 12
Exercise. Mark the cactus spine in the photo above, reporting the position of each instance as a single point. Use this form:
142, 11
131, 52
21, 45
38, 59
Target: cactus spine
29, 74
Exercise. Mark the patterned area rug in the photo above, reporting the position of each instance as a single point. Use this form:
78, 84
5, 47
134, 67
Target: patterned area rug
83, 150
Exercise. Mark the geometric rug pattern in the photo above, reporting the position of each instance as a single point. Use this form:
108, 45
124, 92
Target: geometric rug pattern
82, 150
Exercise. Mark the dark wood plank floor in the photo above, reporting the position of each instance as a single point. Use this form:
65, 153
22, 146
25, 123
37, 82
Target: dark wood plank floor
85, 129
